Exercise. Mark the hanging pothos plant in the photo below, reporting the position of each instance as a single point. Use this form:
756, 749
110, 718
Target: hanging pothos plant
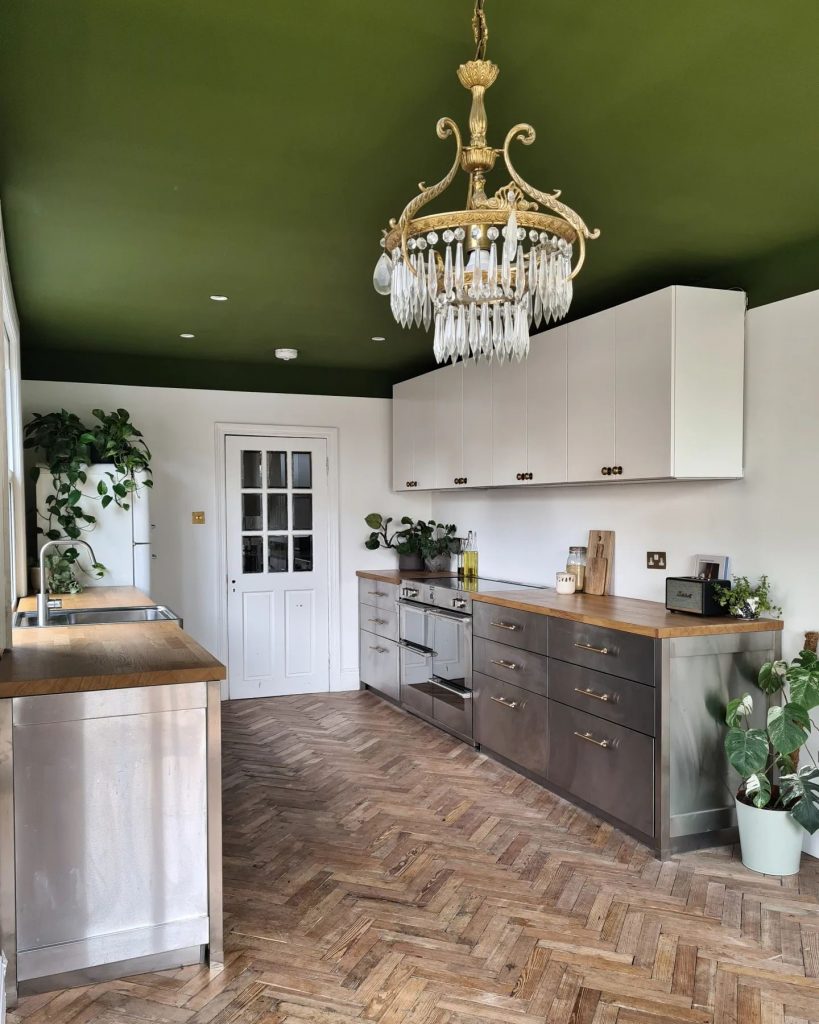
68, 447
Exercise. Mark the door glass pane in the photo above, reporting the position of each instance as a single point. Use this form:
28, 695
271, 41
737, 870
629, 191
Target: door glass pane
277, 553
252, 559
277, 511
303, 554
302, 469
277, 469
252, 512
302, 511
251, 469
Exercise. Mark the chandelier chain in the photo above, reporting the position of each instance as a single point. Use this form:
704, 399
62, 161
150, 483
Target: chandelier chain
480, 30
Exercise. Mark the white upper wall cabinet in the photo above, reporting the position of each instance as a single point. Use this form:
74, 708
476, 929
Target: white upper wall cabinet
649, 390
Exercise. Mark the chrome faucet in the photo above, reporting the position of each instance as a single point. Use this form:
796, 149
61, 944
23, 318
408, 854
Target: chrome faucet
42, 597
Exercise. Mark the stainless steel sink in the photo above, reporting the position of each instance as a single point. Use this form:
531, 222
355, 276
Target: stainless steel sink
97, 616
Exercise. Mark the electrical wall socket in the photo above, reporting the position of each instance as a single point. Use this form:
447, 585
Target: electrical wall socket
655, 559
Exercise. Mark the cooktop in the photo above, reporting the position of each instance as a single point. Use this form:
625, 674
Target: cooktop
474, 585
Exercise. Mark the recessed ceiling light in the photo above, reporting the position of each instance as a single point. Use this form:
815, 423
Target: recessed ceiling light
377, 337
218, 298
187, 335
287, 353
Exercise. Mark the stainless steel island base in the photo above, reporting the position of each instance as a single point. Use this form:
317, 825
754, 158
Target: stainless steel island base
110, 833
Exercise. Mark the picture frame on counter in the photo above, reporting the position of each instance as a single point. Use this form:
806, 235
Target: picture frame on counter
711, 567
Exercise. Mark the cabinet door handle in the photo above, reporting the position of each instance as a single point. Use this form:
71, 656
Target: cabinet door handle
587, 736
463, 694
513, 705
378, 622
379, 650
519, 476
597, 696
377, 593
618, 470
463, 479
594, 650
504, 664
511, 626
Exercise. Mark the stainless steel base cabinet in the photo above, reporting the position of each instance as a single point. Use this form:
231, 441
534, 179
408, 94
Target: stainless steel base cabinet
378, 663
511, 722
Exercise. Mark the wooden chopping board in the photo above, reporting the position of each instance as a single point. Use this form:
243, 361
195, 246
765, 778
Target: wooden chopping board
600, 562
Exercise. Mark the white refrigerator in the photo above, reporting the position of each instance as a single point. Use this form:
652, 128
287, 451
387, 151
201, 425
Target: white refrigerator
121, 538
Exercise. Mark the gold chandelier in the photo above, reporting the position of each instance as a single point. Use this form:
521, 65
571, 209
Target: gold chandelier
502, 264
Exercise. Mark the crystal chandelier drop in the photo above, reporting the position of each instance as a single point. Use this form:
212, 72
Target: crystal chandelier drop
485, 274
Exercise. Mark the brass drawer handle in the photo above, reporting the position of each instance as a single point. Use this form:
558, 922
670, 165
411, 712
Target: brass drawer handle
597, 696
587, 736
594, 650
378, 622
505, 625
513, 705
377, 593
504, 664
379, 650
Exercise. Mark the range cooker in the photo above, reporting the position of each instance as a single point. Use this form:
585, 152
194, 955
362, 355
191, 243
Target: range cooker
435, 638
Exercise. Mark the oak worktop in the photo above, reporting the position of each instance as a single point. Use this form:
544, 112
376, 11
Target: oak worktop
94, 597
64, 659
647, 618
396, 575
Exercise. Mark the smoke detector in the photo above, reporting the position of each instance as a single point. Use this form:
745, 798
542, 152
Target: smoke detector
287, 353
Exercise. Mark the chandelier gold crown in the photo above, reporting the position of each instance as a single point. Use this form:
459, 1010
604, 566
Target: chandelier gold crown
484, 286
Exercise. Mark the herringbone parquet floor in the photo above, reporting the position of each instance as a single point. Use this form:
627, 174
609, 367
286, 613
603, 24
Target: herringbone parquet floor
378, 871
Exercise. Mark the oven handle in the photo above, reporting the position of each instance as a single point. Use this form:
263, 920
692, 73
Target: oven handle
466, 694
449, 616
418, 649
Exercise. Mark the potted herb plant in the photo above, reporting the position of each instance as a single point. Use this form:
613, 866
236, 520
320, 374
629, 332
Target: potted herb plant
437, 544
778, 800
746, 600
403, 539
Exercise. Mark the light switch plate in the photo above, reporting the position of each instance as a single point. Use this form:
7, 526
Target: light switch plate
198, 518
655, 559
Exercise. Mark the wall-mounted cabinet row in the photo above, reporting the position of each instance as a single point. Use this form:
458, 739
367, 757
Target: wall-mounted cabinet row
648, 390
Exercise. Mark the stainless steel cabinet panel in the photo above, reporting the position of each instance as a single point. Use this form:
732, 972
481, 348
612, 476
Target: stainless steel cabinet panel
513, 665
123, 844
511, 722
526, 630
377, 594
610, 697
452, 711
381, 621
606, 650
604, 764
378, 663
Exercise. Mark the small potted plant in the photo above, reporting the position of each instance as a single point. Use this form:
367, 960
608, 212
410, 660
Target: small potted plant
437, 544
778, 801
744, 600
403, 539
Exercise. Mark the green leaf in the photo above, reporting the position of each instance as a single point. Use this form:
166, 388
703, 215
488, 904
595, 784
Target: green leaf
758, 787
119, 490
804, 686
739, 708
371, 545
74, 497
53, 534
800, 792
772, 675
373, 520
747, 750
106, 500
788, 727
102, 487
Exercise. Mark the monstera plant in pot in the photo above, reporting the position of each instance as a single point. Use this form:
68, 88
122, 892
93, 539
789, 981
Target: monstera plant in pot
778, 800
437, 543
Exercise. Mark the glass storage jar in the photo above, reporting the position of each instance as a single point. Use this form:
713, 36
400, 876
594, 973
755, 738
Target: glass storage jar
576, 564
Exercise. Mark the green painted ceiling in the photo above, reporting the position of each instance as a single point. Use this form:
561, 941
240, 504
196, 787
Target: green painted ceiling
157, 151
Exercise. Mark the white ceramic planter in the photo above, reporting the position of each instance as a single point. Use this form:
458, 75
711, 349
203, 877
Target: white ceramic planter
771, 841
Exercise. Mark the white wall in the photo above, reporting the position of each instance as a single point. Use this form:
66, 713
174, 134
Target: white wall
179, 427
767, 522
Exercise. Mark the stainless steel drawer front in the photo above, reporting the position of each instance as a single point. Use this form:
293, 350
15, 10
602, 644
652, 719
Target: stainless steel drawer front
377, 594
604, 764
611, 697
511, 664
378, 663
606, 650
511, 722
451, 709
526, 630
381, 621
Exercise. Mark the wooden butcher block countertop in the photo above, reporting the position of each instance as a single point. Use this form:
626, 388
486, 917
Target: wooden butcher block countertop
648, 618
396, 575
65, 659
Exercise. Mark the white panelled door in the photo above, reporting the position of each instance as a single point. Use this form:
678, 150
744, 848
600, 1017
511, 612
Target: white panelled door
278, 574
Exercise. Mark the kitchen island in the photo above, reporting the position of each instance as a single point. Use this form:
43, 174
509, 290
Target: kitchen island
110, 799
